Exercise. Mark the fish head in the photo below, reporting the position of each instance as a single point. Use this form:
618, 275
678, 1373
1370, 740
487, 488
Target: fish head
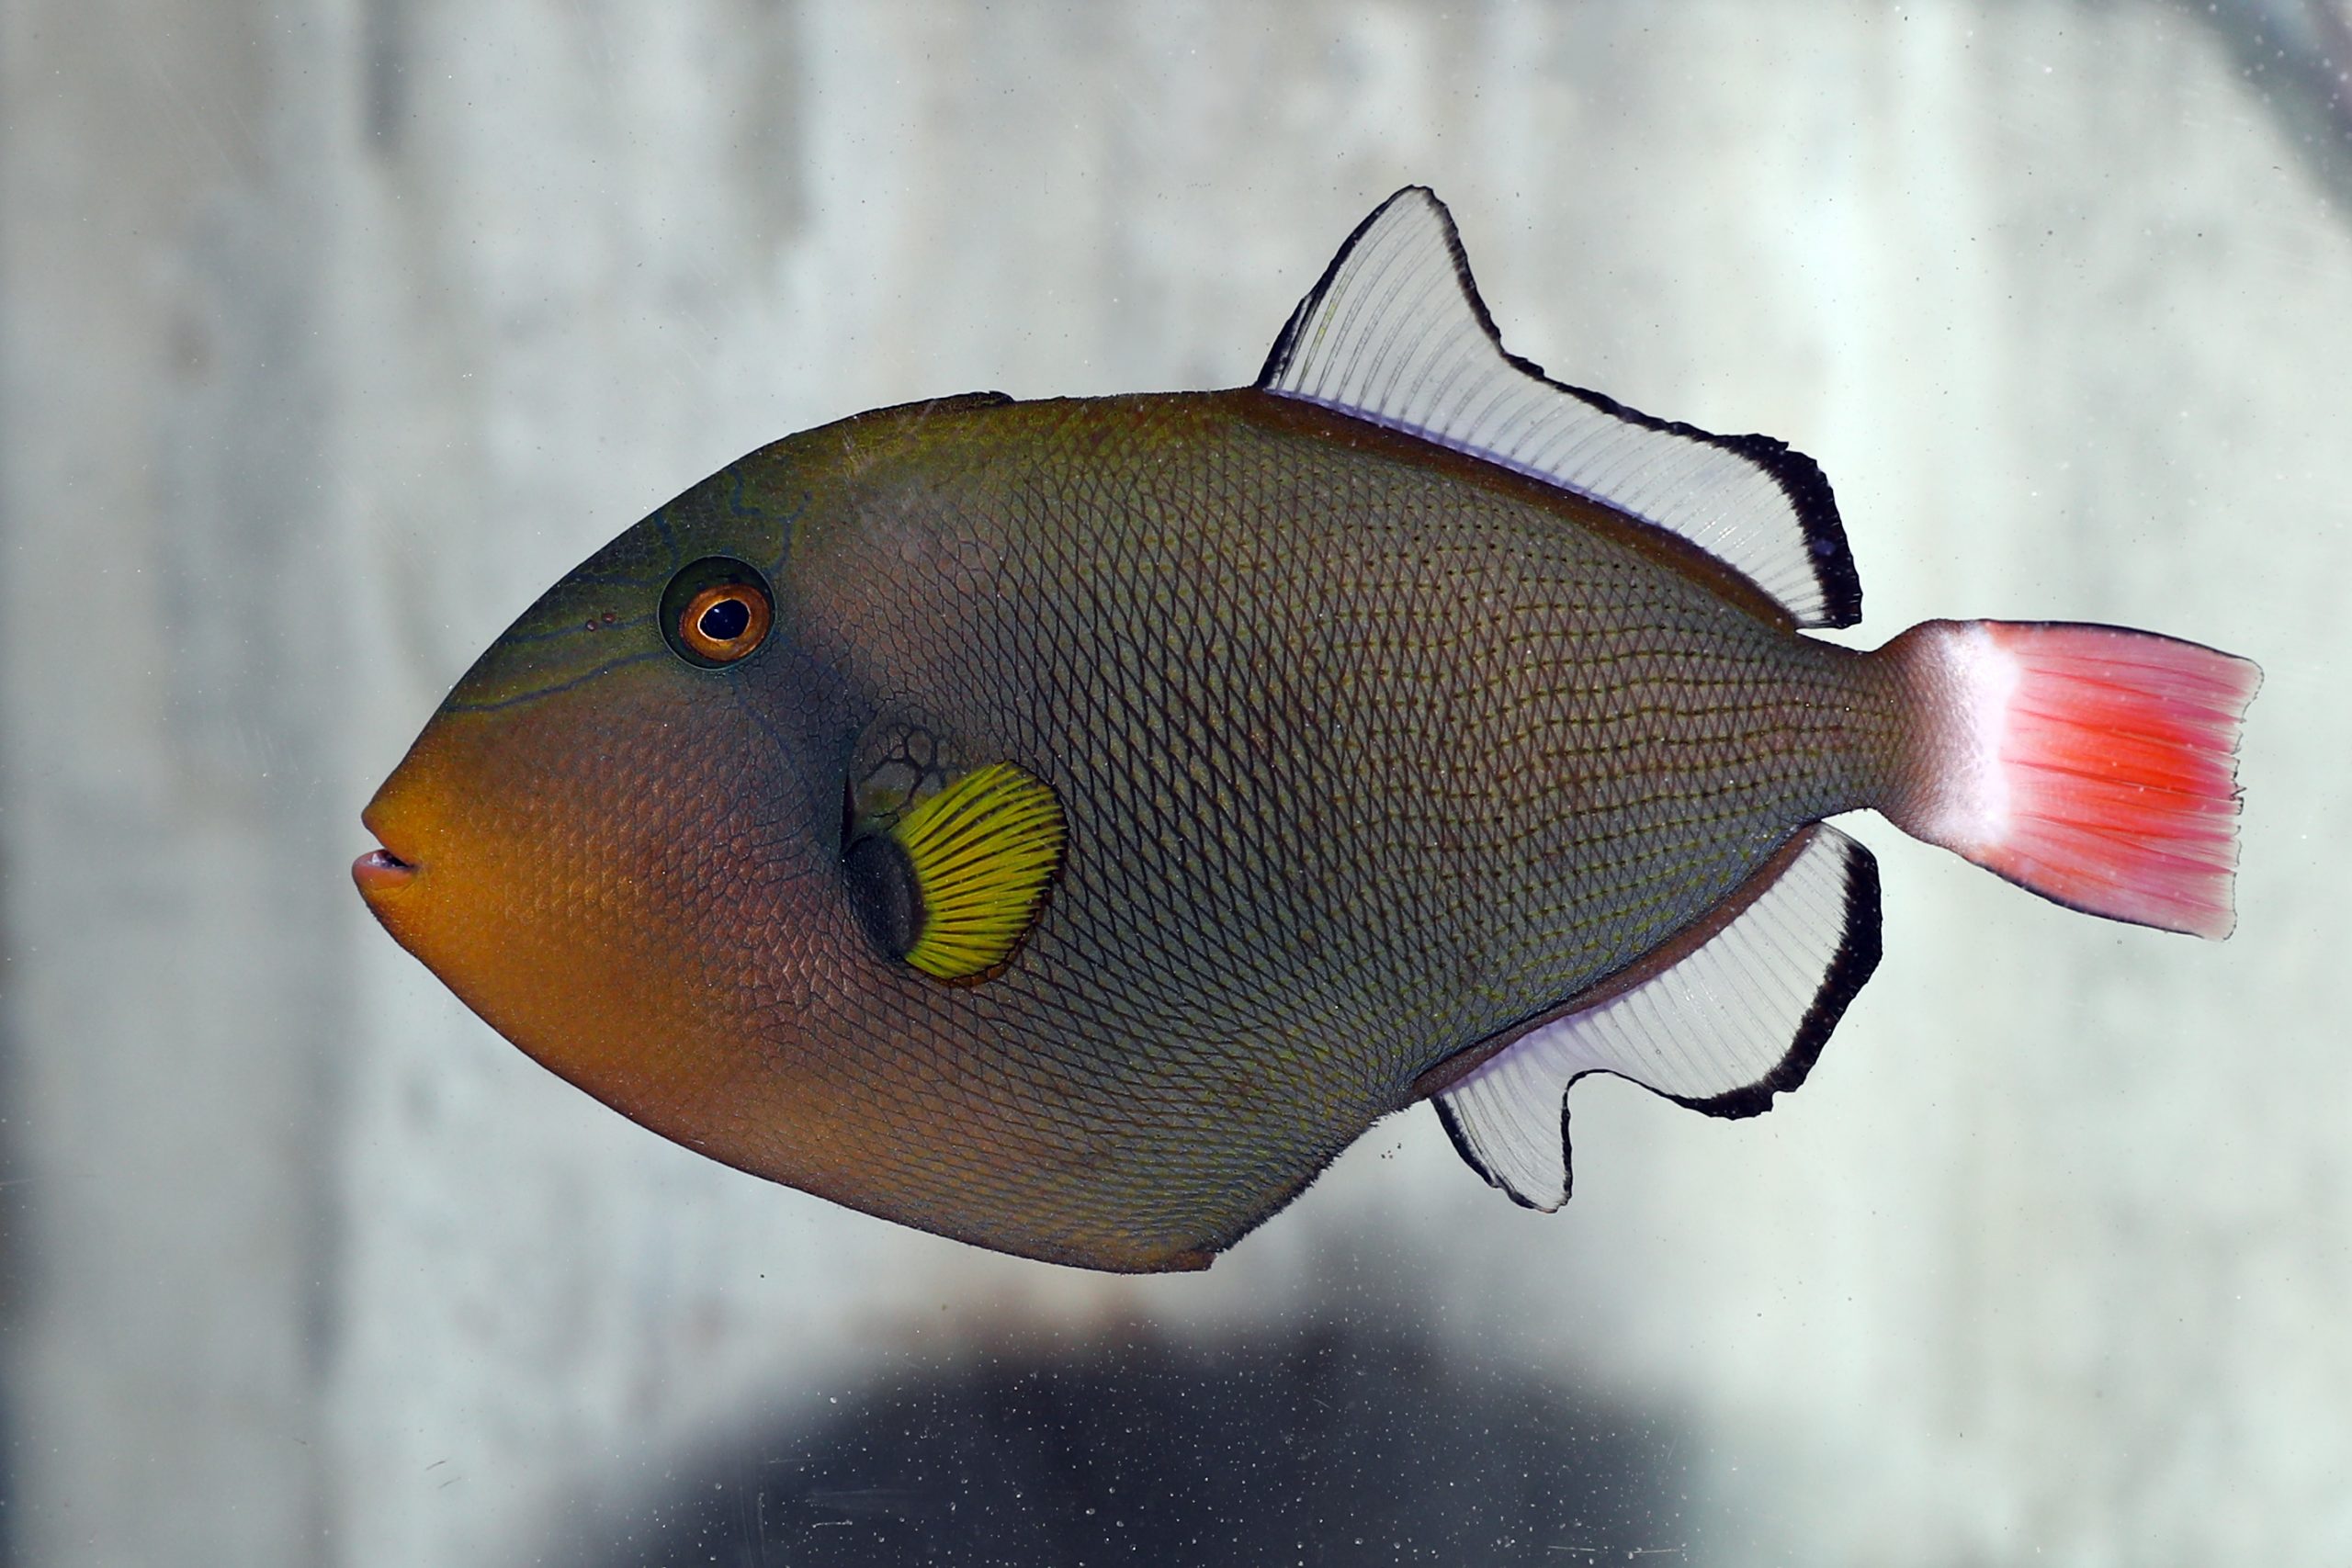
616, 839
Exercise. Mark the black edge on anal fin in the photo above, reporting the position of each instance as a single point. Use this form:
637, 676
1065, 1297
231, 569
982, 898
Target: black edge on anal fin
1395, 333
1463, 1145
1721, 1019
1856, 960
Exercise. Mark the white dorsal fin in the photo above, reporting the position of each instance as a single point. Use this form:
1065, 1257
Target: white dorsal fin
1721, 1019
1395, 334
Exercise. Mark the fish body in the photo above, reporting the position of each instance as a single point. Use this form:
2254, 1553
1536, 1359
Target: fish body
1066, 826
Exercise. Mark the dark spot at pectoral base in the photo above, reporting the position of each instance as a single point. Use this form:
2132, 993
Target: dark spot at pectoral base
884, 893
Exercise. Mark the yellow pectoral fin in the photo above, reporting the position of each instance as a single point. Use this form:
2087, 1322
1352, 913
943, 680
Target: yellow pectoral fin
980, 854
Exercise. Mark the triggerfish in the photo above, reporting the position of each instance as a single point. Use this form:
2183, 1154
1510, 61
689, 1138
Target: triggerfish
1066, 826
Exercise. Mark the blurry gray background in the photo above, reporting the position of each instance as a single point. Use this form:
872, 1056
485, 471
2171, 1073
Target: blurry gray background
331, 331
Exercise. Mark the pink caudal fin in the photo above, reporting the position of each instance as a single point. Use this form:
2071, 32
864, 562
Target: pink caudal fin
2093, 764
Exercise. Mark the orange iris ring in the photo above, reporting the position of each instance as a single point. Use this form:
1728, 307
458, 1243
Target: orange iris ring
759, 615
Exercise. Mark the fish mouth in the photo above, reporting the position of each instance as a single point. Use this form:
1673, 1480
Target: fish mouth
379, 872
383, 870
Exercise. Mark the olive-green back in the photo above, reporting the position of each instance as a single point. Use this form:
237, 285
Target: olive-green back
1367, 751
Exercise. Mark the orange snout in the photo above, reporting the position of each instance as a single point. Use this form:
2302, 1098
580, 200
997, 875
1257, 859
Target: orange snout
553, 865
379, 872
633, 889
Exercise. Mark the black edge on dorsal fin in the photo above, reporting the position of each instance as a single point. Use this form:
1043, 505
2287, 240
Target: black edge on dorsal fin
1721, 1018
1395, 333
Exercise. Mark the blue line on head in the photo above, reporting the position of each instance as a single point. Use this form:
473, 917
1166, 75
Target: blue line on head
533, 696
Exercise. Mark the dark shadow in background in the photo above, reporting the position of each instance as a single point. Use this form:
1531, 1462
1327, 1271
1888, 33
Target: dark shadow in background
1316, 1446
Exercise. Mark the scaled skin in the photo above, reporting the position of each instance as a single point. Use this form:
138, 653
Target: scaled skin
1368, 754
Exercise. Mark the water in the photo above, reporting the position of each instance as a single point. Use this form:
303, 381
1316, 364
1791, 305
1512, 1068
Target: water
330, 332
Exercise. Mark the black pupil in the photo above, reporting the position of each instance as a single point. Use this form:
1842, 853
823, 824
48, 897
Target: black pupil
725, 621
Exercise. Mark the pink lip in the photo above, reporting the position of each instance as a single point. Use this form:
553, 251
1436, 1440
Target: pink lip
380, 871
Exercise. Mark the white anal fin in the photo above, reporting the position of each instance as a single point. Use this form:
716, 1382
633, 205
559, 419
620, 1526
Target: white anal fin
1720, 1019
1395, 334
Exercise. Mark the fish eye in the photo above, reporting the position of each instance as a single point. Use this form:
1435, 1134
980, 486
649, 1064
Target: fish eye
716, 612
